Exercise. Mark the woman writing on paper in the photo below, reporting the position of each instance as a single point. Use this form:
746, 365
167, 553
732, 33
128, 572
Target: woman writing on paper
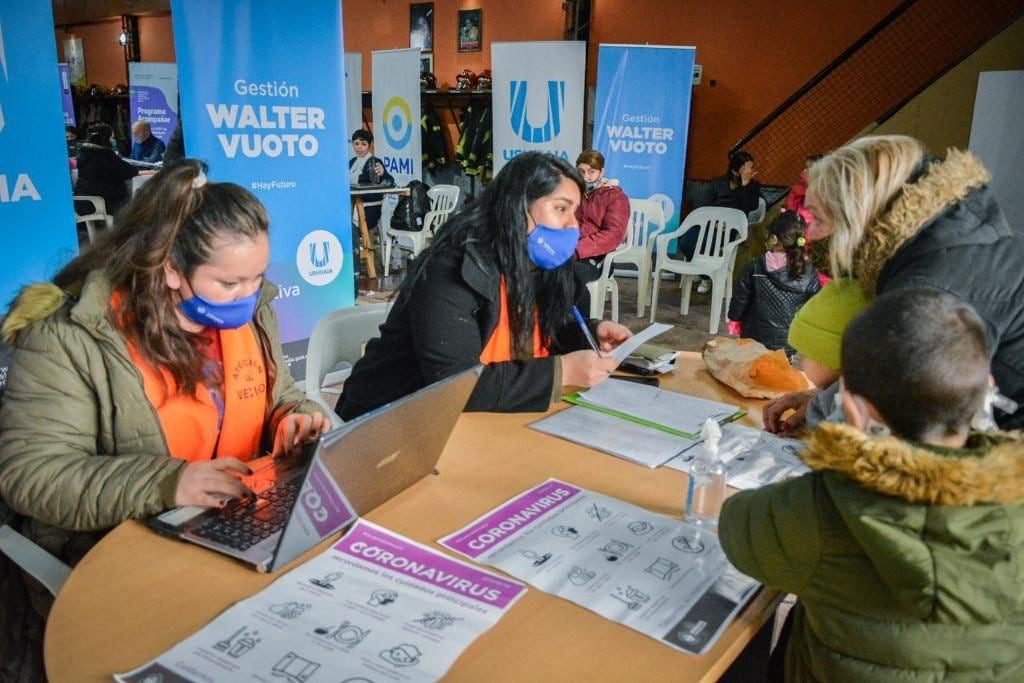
149, 370
495, 287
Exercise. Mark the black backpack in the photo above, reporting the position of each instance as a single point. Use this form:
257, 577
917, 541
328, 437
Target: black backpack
411, 209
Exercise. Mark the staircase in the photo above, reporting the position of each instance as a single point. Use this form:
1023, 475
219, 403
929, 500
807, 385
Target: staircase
903, 54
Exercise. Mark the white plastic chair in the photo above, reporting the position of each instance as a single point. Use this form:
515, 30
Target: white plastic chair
646, 221
443, 198
714, 257
98, 216
757, 215
600, 289
340, 336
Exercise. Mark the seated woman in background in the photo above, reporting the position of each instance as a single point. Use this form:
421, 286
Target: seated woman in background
101, 173
366, 169
149, 370
495, 287
772, 289
737, 189
603, 215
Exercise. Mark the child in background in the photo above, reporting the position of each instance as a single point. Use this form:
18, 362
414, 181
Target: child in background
903, 543
772, 289
817, 249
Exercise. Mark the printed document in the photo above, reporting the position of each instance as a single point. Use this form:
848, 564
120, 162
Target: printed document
752, 458
375, 607
662, 577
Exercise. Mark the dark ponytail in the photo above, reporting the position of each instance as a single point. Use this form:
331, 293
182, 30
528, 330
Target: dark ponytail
175, 218
788, 230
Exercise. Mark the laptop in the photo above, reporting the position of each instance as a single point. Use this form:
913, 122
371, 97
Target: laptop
346, 473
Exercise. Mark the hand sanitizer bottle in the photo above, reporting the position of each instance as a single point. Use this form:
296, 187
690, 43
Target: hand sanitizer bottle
706, 487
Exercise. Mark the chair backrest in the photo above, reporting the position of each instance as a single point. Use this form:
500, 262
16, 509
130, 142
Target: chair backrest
715, 240
99, 208
757, 215
646, 220
340, 336
443, 198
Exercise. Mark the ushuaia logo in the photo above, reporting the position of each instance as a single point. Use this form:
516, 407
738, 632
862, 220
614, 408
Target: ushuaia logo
319, 258
521, 123
320, 262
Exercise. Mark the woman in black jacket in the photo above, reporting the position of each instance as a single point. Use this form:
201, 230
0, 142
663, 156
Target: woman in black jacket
899, 218
495, 287
101, 173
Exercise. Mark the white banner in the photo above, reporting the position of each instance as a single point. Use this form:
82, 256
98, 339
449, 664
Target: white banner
353, 95
396, 113
538, 99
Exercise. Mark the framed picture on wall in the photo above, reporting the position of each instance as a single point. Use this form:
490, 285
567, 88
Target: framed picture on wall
421, 25
427, 63
471, 30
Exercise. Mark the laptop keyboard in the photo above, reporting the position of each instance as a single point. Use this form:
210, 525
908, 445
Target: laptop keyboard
245, 523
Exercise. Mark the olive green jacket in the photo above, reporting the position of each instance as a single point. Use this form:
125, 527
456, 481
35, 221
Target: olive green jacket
81, 447
908, 561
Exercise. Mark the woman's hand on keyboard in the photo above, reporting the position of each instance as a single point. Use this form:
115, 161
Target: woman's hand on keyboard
211, 483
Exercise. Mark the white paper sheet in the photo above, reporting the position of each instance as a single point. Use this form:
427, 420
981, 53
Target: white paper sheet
667, 408
752, 458
654, 574
613, 435
633, 343
375, 607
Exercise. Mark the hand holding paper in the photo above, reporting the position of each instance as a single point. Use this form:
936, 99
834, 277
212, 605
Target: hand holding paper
624, 349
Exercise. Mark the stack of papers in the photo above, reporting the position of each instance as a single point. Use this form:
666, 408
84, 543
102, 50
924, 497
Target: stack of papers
668, 411
649, 359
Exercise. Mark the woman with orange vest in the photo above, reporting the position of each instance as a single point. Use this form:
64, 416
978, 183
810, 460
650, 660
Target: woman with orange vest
495, 287
150, 370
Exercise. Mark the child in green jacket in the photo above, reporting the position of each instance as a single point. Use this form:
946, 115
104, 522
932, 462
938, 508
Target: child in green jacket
905, 544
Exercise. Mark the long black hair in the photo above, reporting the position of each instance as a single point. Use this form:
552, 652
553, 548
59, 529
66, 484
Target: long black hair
497, 223
788, 229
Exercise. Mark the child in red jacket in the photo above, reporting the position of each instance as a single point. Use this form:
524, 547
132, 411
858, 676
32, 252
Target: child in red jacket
603, 215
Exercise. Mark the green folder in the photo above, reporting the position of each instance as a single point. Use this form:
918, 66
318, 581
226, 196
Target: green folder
574, 399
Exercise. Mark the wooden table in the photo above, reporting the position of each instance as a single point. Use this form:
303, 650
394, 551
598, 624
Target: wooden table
136, 594
366, 251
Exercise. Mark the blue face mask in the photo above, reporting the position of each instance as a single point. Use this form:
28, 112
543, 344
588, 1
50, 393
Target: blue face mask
550, 248
226, 316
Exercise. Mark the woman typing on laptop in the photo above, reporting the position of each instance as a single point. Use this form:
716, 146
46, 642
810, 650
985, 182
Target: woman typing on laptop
149, 370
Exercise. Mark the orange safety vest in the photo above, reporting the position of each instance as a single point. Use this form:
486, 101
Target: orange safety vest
190, 422
499, 346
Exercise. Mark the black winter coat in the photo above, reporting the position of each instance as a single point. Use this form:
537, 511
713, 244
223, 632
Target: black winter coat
945, 230
765, 302
743, 197
101, 173
440, 328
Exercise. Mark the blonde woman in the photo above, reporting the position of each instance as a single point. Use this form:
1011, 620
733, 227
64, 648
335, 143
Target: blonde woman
900, 218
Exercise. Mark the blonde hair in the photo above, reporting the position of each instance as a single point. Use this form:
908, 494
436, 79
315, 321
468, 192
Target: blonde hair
854, 185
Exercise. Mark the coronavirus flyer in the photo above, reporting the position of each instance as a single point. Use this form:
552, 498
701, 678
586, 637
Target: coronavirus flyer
376, 606
657, 575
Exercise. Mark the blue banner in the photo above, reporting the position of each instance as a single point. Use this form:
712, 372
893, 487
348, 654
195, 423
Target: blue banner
65, 95
641, 120
37, 222
153, 96
263, 103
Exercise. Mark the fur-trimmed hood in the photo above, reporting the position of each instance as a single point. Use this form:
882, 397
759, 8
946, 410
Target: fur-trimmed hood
33, 303
941, 185
990, 471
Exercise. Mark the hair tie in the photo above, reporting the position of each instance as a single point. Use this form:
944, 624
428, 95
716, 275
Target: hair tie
800, 241
199, 180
